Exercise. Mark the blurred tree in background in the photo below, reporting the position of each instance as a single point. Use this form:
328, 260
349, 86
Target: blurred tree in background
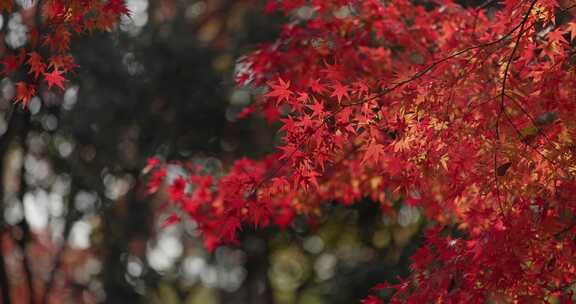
77, 224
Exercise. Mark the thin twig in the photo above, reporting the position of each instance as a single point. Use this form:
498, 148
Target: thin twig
502, 94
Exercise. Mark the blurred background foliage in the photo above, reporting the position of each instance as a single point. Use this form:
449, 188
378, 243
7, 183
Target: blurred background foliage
77, 225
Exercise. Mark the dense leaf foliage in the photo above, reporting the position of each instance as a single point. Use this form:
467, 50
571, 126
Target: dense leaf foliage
466, 113
50, 25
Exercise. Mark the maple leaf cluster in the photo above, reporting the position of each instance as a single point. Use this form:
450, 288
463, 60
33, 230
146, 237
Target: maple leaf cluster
45, 59
464, 112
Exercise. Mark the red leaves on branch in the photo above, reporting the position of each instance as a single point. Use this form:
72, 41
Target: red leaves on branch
37, 66
12, 62
24, 93
50, 29
116, 7
466, 114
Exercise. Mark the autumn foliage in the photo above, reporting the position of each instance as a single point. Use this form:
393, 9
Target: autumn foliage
45, 60
465, 112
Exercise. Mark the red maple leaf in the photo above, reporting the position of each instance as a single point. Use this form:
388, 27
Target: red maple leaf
270, 112
65, 63
571, 28
280, 90
54, 78
37, 67
10, 63
317, 109
13, 61
24, 93
374, 153
361, 87
316, 86
117, 7
340, 91
556, 36
259, 213
58, 40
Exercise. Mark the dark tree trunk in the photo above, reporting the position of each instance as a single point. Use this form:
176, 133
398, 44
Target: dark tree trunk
256, 288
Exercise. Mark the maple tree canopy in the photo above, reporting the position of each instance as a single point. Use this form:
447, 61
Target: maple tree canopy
465, 112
